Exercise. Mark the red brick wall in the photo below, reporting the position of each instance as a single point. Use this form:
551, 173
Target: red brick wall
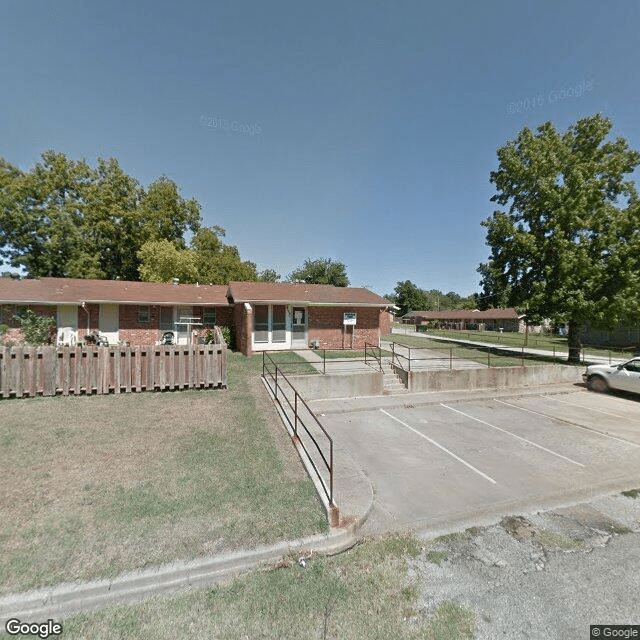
131, 330
386, 320
325, 324
144, 333
243, 322
138, 333
14, 334
224, 318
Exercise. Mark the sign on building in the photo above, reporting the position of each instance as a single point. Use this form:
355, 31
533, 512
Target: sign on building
350, 319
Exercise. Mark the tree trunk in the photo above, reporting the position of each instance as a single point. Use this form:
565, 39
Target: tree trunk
574, 343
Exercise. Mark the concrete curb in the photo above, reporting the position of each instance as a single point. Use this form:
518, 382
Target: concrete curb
428, 398
135, 586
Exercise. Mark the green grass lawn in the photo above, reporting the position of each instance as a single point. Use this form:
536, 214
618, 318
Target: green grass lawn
516, 339
288, 362
534, 340
479, 355
348, 353
91, 486
363, 594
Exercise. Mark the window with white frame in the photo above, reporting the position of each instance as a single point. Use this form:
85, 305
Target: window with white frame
261, 323
270, 324
278, 323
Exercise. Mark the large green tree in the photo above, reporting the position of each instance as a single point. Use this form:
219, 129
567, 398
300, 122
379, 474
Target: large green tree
41, 217
269, 275
112, 224
409, 297
568, 245
321, 271
208, 260
63, 218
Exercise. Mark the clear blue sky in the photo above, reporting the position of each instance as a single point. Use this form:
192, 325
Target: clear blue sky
354, 130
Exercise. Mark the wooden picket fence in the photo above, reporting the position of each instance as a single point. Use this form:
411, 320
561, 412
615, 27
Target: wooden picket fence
50, 371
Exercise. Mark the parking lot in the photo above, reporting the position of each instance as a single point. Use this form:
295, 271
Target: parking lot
470, 460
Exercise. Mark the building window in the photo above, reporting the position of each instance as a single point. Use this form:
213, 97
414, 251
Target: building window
166, 318
209, 316
143, 314
261, 323
279, 323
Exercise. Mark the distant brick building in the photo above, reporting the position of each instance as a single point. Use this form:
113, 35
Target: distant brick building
488, 320
266, 316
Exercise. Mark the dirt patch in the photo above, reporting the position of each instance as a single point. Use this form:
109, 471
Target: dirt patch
518, 527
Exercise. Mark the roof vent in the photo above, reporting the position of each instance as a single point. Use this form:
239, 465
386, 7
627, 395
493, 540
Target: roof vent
176, 281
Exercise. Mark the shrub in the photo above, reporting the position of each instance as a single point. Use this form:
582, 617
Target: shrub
3, 331
229, 335
36, 328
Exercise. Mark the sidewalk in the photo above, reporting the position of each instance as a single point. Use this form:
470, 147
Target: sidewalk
331, 365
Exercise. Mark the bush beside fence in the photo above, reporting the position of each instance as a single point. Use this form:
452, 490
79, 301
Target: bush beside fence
49, 371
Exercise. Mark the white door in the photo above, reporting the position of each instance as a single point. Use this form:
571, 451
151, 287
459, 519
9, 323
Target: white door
183, 316
299, 327
67, 322
109, 321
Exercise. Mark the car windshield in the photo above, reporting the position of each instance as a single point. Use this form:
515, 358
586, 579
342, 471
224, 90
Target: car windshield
632, 365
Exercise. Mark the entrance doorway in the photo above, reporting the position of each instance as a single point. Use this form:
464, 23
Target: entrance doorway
299, 328
109, 322
67, 325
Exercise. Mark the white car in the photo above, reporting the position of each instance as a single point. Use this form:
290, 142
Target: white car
625, 377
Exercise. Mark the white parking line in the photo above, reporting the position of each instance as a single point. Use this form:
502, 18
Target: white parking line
573, 424
493, 426
575, 404
433, 442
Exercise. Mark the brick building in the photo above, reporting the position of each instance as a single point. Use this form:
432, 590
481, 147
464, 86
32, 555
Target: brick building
489, 320
266, 316
280, 316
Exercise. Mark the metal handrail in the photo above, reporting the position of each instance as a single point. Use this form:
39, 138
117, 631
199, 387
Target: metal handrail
377, 358
492, 354
274, 375
401, 355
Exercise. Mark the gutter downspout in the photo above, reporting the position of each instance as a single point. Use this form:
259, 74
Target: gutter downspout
84, 306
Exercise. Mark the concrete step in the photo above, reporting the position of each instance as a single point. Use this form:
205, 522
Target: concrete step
394, 392
394, 386
392, 383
